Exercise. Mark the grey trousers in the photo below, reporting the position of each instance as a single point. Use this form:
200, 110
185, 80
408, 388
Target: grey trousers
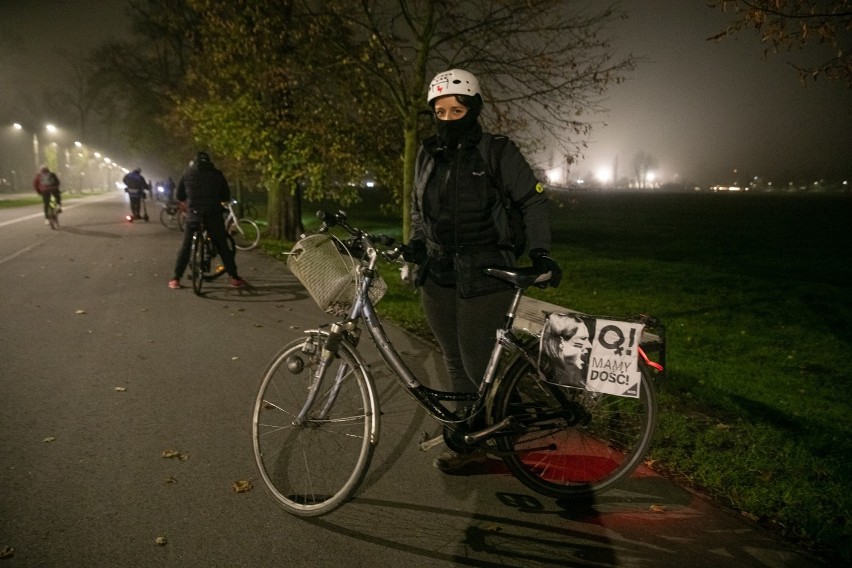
465, 329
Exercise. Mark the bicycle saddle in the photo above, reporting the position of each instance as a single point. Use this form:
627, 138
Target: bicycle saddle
519, 277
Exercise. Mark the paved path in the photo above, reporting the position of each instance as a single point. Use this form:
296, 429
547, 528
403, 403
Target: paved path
104, 368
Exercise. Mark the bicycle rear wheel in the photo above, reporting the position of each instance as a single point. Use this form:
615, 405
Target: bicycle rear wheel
313, 467
196, 262
570, 441
245, 233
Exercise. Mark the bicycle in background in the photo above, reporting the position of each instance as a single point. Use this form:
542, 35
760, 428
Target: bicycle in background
172, 216
53, 211
244, 232
317, 417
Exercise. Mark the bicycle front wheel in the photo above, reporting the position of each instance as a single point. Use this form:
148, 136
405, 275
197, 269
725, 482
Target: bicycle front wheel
569, 441
246, 234
196, 263
313, 465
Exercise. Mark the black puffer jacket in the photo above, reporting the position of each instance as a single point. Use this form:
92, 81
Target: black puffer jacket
204, 188
458, 210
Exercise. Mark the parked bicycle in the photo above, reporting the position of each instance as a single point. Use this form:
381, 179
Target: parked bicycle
317, 417
172, 216
202, 253
245, 232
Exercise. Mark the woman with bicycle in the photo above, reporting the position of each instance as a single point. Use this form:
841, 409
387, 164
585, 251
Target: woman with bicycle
464, 178
203, 188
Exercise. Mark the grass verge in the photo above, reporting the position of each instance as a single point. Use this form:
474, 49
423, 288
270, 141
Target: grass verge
754, 290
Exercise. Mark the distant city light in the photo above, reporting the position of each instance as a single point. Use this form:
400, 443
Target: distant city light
50, 128
604, 175
554, 176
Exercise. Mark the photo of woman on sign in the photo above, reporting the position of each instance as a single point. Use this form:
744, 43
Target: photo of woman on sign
566, 343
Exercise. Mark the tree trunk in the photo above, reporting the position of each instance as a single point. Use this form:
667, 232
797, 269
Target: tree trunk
409, 157
284, 213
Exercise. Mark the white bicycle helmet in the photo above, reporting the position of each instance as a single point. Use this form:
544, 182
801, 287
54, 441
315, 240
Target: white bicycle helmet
453, 82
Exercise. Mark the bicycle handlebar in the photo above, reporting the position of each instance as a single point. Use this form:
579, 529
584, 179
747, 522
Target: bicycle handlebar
339, 219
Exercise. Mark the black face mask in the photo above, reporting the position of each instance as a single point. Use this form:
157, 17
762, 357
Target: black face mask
452, 132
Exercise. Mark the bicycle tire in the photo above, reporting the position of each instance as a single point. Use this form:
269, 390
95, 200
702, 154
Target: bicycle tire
169, 220
586, 443
245, 233
196, 262
313, 468
52, 215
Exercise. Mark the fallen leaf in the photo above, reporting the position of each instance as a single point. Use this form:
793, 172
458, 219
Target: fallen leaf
234, 358
49, 439
161, 541
171, 479
242, 486
657, 509
175, 454
120, 389
78, 312
7, 552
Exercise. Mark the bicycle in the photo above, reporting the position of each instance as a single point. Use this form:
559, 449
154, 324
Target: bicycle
53, 211
172, 216
317, 417
245, 232
202, 252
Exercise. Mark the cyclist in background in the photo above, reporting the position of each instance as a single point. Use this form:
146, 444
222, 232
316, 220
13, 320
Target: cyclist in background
202, 189
136, 186
46, 184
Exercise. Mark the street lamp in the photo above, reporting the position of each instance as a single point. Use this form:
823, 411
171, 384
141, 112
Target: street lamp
17, 126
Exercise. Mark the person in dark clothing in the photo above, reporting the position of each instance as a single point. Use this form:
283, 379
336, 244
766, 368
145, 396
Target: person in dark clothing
46, 184
460, 224
135, 186
203, 189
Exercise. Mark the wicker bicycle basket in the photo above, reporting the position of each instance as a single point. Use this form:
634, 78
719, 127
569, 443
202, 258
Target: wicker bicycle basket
330, 277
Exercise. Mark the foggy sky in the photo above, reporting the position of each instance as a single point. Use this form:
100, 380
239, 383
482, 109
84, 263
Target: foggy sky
704, 109
700, 109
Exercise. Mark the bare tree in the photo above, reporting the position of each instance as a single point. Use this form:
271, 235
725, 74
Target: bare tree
823, 28
543, 64
643, 166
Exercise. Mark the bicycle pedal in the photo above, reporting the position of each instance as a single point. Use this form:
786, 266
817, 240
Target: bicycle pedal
425, 444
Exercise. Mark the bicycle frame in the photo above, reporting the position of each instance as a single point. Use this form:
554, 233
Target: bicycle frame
430, 399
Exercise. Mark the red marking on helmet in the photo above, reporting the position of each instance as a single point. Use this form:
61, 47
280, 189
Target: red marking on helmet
440, 88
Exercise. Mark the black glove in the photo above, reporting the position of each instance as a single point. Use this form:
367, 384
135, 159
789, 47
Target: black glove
414, 251
544, 263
